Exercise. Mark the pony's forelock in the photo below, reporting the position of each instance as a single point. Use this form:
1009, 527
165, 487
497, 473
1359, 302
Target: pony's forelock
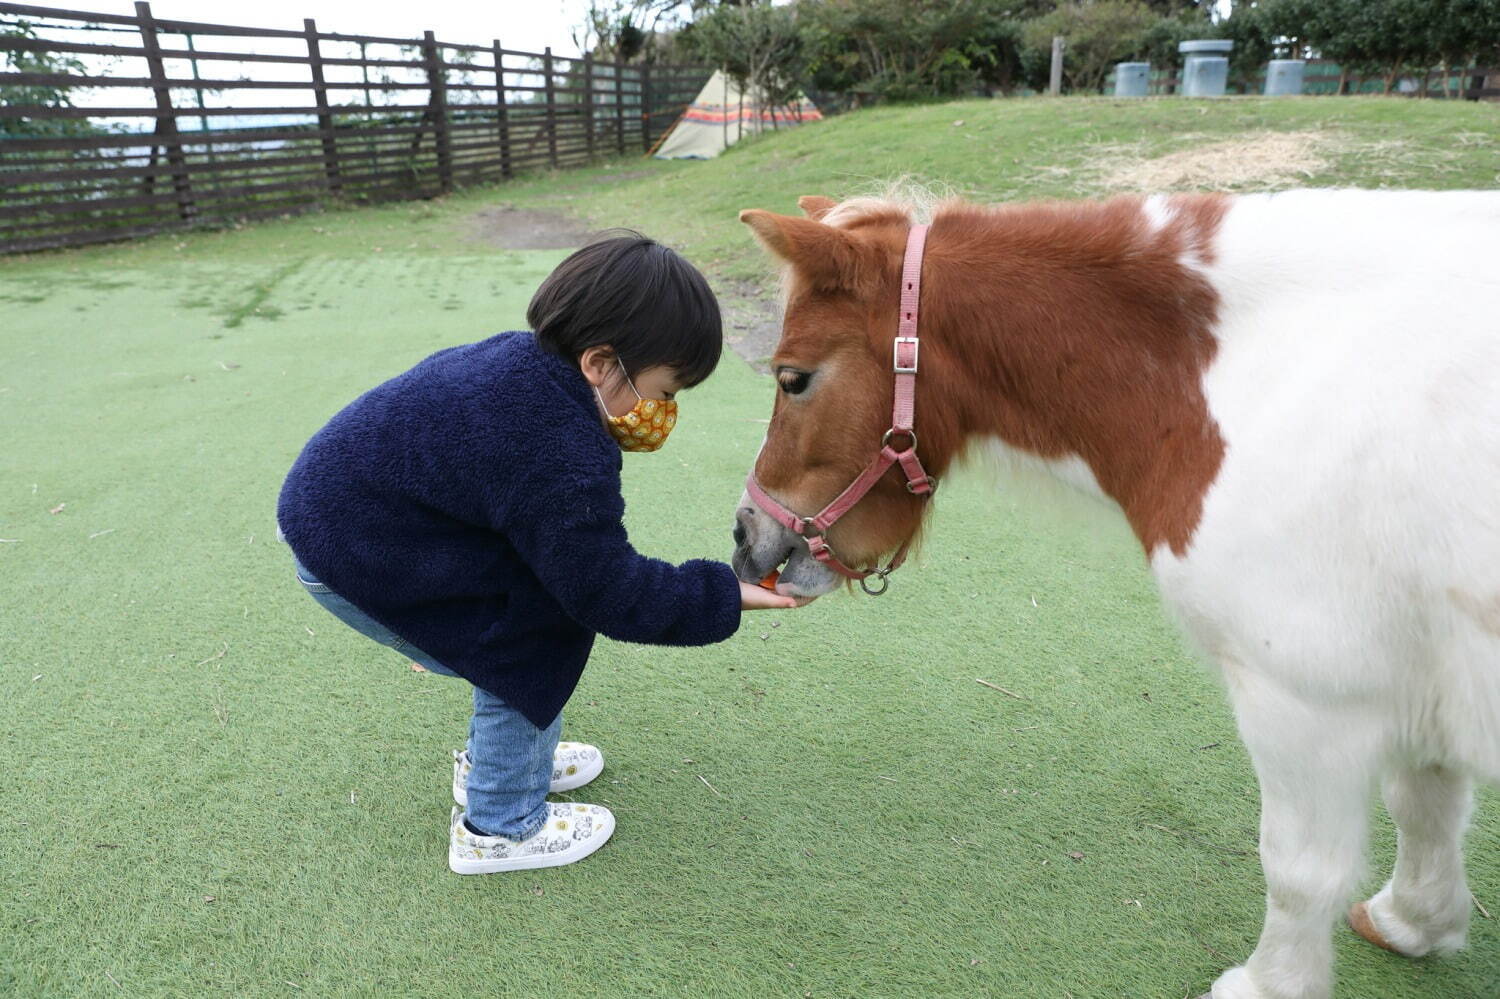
913, 199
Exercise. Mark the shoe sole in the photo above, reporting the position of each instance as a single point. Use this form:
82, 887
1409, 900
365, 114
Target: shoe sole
575, 853
582, 777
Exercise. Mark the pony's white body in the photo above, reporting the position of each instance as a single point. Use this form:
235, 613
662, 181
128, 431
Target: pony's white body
1337, 558
1345, 574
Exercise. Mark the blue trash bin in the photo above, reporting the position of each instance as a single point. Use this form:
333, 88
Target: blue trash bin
1132, 79
1284, 77
1206, 71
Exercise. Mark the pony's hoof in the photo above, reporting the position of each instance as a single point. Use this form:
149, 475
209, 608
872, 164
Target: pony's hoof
1235, 984
1377, 920
1361, 923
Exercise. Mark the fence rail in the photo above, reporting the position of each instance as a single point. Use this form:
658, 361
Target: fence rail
303, 117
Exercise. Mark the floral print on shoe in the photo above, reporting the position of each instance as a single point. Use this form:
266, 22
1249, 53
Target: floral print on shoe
572, 831
574, 764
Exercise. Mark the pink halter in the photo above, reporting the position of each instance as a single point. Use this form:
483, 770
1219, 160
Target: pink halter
904, 362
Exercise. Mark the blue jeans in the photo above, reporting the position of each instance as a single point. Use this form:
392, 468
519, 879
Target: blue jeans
511, 757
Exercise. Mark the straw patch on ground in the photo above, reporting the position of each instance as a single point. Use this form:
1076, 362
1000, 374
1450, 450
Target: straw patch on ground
1258, 161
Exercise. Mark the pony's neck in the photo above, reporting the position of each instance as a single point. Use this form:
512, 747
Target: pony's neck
1082, 330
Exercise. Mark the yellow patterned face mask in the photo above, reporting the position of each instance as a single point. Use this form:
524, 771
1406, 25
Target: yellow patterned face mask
646, 426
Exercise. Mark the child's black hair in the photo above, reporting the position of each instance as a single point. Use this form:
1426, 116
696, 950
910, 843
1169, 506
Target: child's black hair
637, 296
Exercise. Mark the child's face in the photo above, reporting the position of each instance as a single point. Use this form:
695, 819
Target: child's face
660, 382
605, 374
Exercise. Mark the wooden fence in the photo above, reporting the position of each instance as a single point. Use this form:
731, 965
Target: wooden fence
284, 120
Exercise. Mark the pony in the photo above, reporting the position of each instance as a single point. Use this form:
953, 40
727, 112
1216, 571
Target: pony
1294, 401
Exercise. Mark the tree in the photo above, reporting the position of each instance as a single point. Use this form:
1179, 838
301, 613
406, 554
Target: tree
1098, 34
758, 45
1466, 32
905, 49
17, 60
1389, 37
624, 30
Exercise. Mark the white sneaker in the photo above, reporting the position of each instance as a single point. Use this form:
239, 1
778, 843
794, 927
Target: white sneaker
574, 764
572, 832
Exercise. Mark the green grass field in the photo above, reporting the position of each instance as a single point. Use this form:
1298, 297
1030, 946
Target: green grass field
210, 787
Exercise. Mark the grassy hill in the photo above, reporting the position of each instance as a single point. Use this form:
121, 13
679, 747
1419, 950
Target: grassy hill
209, 787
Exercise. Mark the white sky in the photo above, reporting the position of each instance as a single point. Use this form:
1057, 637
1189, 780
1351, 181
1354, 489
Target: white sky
528, 25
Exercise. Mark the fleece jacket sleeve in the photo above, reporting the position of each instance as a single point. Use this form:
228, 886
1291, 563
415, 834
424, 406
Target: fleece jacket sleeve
574, 540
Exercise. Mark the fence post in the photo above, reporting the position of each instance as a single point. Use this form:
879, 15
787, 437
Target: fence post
588, 103
325, 117
166, 126
620, 108
372, 162
551, 106
439, 107
1054, 84
501, 111
208, 147
646, 107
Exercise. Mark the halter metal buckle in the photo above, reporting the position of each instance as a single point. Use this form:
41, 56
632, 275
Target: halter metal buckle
916, 349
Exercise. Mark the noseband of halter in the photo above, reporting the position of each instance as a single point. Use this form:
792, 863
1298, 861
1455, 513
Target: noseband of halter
904, 354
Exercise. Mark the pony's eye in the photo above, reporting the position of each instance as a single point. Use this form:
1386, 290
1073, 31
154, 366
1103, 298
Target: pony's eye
792, 381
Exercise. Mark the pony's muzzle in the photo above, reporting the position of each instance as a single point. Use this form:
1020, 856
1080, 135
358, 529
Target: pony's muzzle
763, 545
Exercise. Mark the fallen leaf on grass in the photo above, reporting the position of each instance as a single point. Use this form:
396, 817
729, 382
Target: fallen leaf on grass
58, 509
210, 898
1076, 855
418, 668
228, 367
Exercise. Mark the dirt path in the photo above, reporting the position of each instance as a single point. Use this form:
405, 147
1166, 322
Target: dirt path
524, 229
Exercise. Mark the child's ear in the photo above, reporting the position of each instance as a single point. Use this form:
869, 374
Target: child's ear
598, 363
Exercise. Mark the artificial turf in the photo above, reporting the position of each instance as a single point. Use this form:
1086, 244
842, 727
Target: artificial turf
210, 787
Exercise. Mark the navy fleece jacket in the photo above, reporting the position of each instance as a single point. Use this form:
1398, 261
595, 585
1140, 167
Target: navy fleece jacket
472, 505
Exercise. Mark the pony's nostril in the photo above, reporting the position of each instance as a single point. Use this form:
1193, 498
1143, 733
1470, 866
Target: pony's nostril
740, 537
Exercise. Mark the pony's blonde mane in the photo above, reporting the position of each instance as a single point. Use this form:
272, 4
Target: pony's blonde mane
917, 201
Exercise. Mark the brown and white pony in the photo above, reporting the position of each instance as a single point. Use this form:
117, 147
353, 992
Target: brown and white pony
1299, 419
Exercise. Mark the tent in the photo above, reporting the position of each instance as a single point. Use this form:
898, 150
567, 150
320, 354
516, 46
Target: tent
721, 115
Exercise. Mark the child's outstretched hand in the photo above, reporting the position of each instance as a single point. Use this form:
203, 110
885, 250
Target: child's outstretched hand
753, 597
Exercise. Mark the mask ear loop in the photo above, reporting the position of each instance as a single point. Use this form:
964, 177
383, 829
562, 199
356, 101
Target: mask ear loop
638, 396
600, 396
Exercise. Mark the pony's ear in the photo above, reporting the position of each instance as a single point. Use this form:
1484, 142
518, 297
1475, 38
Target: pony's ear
832, 259
815, 206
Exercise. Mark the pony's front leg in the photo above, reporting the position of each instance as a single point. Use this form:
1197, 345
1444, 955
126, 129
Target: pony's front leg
1315, 767
1425, 906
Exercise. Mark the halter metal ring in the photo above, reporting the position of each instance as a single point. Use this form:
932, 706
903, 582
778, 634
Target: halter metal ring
886, 440
883, 575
